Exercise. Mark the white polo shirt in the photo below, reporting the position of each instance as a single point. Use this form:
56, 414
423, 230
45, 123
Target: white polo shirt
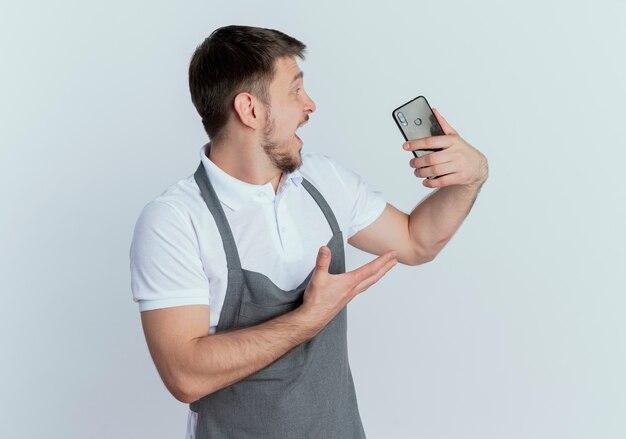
177, 257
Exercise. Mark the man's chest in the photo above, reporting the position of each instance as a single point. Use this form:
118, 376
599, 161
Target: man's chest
279, 240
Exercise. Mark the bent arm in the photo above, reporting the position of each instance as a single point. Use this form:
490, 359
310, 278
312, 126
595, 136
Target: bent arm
420, 236
461, 170
193, 364
437, 218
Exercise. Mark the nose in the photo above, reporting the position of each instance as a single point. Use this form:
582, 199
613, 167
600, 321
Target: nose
309, 105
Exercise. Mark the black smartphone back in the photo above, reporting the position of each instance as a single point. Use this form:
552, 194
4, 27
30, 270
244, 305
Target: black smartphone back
416, 120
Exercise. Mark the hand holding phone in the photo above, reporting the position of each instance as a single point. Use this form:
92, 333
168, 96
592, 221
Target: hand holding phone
416, 120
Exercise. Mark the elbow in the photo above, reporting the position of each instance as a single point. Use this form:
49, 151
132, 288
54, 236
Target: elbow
182, 389
423, 256
187, 390
428, 258
420, 259
183, 396
186, 383
420, 256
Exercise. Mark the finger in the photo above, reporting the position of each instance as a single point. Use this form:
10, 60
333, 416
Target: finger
442, 181
323, 259
368, 282
437, 170
444, 123
431, 159
371, 268
432, 142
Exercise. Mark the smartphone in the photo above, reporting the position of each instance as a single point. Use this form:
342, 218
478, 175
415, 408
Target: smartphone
416, 121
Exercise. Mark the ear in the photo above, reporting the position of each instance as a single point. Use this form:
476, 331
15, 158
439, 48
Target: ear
247, 109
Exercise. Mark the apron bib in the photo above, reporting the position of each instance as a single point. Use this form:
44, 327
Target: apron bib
308, 392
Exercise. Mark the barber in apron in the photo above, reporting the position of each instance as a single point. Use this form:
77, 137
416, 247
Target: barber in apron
308, 392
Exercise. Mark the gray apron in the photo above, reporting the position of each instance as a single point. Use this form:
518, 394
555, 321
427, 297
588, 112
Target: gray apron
306, 393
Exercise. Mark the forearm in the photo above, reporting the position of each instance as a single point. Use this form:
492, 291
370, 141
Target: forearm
216, 361
434, 221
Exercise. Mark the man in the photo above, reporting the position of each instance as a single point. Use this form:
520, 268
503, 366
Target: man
239, 269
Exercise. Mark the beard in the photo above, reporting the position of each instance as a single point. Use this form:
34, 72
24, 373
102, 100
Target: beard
283, 160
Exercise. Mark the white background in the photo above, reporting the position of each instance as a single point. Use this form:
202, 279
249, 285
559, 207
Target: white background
516, 330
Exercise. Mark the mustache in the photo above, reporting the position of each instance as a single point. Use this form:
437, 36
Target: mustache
306, 119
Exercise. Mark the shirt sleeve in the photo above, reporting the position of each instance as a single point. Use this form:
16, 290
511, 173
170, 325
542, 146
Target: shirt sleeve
365, 204
165, 265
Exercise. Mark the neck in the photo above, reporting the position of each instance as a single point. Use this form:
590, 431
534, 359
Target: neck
244, 162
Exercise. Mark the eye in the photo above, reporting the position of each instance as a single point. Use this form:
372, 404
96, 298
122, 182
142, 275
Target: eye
297, 91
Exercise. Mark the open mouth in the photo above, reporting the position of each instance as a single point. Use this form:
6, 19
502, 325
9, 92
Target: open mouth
300, 126
299, 140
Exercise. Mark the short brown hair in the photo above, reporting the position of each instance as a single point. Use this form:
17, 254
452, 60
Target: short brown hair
235, 59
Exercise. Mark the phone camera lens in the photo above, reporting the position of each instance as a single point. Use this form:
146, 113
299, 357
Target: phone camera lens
401, 118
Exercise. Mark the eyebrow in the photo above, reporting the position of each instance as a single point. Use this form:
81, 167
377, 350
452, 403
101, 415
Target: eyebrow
298, 76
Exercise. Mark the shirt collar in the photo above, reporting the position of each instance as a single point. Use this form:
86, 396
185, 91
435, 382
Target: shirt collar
236, 193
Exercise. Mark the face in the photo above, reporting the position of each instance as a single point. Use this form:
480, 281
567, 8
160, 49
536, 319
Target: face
288, 110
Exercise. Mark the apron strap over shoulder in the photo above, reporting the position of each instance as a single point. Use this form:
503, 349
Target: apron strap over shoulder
210, 198
321, 202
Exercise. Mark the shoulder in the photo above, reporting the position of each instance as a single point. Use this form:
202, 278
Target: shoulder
322, 170
169, 224
327, 174
345, 190
313, 162
178, 202
172, 218
166, 264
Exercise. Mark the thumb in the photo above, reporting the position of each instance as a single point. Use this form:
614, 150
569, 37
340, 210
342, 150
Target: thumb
323, 259
447, 129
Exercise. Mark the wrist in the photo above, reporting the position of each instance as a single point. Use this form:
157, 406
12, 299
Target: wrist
307, 320
476, 185
478, 182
